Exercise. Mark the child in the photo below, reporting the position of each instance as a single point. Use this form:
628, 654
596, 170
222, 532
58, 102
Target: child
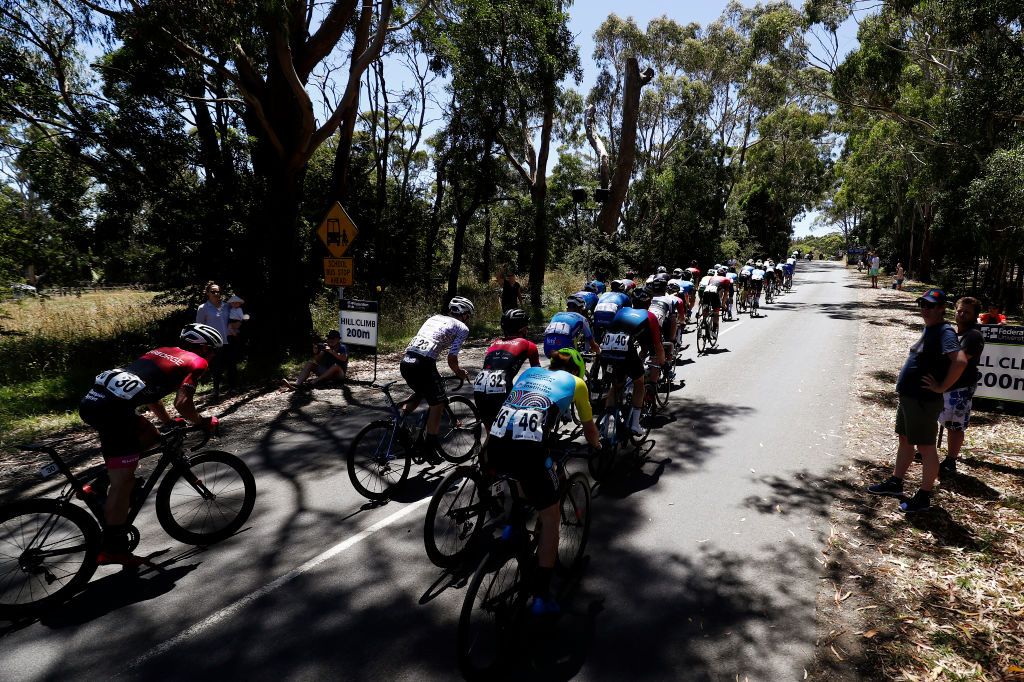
235, 316
993, 316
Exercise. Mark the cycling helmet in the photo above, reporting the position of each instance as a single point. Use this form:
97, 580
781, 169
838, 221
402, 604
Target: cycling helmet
658, 286
514, 320
591, 287
641, 295
722, 271
617, 285
677, 272
759, 264
461, 306
672, 287
574, 356
201, 335
661, 269
575, 301
750, 261
686, 276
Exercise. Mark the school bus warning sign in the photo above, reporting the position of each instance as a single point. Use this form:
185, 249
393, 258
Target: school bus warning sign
338, 272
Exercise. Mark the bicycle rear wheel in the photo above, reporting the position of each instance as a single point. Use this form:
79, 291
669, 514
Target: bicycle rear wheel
574, 510
209, 501
494, 604
47, 554
602, 462
461, 430
455, 516
378, 459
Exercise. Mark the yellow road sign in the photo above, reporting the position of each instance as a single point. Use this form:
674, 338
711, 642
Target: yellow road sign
337, 231
338, 272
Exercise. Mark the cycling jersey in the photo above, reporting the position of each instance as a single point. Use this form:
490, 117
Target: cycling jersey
538, 397
438, 333
694, 272
788, 268
670, 304
589, 297
746, 270
562, 331
686, 286
791, 261
159, 372
607, 306
502, 361
631, 327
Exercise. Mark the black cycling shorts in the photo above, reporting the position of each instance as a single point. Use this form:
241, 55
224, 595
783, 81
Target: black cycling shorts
120, 430
631, 366
421, 375
714, 299
488, 405
530, 464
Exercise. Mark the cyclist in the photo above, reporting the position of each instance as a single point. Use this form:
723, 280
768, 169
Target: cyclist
607, 306
502, 361
589, 294
788, 270
419, 366
733, 277
566, 327
660, 271
756, 283
666, 307
633, 335
709, 293
518, 445
694, 271
743, 281
109, 407
597, 284
769, 278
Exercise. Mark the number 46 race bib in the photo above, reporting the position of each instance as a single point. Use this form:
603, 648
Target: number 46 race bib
526, 424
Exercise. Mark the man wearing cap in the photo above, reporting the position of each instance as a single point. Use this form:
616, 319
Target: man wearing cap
330, 362
932, 367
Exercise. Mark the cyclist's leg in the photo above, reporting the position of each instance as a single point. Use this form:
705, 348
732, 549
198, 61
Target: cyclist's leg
634, 367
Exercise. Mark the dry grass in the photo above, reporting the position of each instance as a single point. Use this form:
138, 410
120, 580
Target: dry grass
938, 595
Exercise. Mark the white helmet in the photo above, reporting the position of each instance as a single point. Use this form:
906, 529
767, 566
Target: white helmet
461, 306
202, 335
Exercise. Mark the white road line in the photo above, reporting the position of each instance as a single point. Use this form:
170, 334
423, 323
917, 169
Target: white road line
235, 607
726, 331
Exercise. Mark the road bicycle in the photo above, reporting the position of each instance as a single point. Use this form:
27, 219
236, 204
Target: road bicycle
769, 291
617, 438
789, 282
381, 454
743, 300
49, 546
494, 618
707, 329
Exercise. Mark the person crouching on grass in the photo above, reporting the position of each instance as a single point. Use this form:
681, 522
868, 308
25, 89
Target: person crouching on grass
329, 363
932, 367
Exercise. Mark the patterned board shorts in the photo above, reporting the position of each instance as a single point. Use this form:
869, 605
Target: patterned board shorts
956, 409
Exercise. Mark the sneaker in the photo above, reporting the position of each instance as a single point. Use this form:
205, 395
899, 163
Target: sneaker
891, 486
126, 559
921, 501
544, 606
947, 467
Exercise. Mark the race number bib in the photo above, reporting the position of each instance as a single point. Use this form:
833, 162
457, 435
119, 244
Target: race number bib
711, 289
607, 307
490, 381
124, 385
422, 345
526, 424
615, 342
558, 328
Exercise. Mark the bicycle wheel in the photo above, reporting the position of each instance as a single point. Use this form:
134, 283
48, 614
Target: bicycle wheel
209, 501
664, 389
602, 462
713, 335
461, 430
47, 554
574, 510
378, 459
455, 516
494, 603
702, 334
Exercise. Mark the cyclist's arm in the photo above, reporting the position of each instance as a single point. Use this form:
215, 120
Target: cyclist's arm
533, 355
654, 329
581, 396
160, 412
453, 364
184, 405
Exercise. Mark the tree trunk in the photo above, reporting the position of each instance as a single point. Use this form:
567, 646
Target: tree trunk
341, 183
458, 243
608, 220
430, 243
485, 265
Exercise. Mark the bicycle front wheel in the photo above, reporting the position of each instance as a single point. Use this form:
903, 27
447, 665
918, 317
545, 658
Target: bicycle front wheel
207, 502
461, 430
574, 511
378, 460
47, 554
495, 600
702, 335
455, 516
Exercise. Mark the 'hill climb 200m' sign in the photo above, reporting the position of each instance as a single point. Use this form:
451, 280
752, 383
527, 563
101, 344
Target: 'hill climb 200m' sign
358, 322
1001, 367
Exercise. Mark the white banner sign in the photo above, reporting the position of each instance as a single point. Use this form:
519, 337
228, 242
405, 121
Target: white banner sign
1001, 367
358, 323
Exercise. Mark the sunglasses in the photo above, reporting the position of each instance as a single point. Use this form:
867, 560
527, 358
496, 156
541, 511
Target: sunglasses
925, 305
215, 291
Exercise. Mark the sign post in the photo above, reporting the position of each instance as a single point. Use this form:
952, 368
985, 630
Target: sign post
358, 324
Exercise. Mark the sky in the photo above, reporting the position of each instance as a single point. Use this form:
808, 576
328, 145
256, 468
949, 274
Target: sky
587, 15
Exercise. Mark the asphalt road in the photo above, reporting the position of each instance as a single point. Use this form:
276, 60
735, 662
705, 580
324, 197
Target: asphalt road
703, 565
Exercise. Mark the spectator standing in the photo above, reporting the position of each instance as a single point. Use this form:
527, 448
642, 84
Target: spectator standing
932, 367
993, 316
235, 339
900, 274
511, 291
876, 265
329, 363
215, 313
956, 402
